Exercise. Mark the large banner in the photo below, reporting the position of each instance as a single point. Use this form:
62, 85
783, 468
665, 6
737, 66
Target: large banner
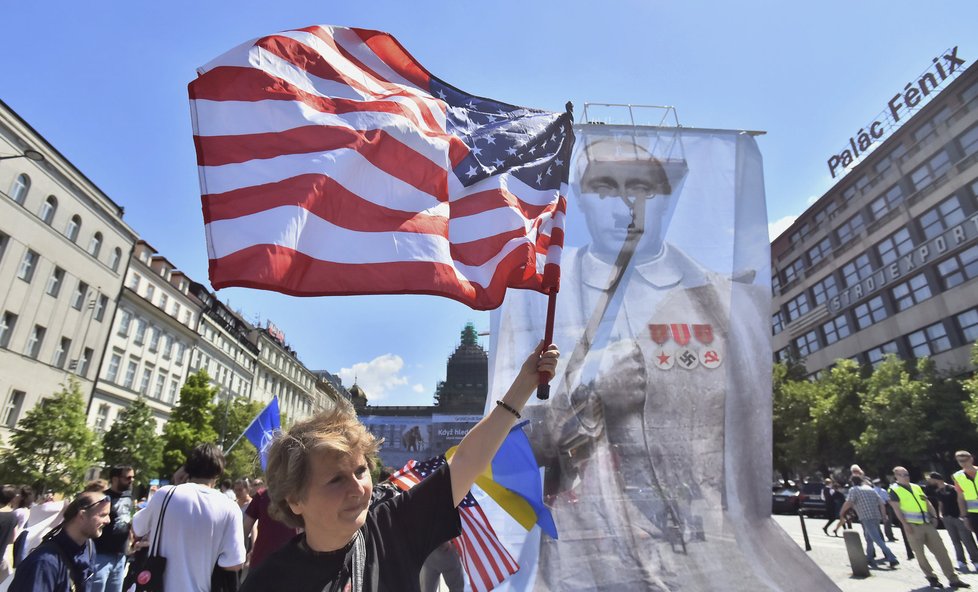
417, 437
656, 442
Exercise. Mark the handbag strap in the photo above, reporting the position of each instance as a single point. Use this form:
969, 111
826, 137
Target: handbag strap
358, 558
155, 548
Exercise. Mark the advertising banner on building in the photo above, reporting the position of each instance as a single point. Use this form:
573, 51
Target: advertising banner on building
655, 445
405, 438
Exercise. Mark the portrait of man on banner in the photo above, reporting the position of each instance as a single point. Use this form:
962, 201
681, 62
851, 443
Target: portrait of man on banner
656, 443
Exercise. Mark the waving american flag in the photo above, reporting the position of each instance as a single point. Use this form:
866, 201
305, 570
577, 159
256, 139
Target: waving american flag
486, 561
331, 162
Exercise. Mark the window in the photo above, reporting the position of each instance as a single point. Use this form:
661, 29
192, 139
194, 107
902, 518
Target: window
102, 418
175, 313
969, 141
154, 339
849, 229
124, 321
894, 246
11, 411
931, 170
941, 217
150, 291
858, 186
20, 187
130, 374
793, 270
886, 202
797, 306
807, 343
4, 241
181, 350
825, 290
930, 126
48, 209
27, 266
113, 372
61, 354
164, 300
78, 298
820, 251
777, 323
958, 268
144, 383
95, 245
35, 341
885, 162
115, 259
857, 270
171, 396
7, 324
913, 291
85, 362
160, 385
73, 227
134, 280
872, 311
167, 345
836, 329
929, 341
968, 324
801, 234
140, 331
875, 355
54, 282
103, 303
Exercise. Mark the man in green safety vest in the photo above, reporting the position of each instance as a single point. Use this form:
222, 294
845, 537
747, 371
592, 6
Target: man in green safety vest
918, 518
964, 482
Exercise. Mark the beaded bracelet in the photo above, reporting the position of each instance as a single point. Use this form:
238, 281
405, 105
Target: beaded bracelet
509, 408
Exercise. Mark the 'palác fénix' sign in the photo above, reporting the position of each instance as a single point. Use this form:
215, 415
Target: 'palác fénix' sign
903, 103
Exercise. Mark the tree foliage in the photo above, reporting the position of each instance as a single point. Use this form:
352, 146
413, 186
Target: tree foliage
52, 446
191, 421
132, 440
232, 418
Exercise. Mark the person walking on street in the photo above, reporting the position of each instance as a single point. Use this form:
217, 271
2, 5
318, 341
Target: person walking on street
64, 561
870, 509
831, 510
950, 513
110, 548
918, 517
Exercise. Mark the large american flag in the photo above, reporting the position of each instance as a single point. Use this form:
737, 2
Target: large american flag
486, 561
331, 162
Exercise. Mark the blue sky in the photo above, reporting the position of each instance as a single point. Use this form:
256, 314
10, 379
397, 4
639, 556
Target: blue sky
105, 83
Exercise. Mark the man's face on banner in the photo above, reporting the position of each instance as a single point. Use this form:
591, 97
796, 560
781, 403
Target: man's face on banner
616, 175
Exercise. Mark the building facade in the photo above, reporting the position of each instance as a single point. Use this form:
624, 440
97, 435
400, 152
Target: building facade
63, 252
887, 260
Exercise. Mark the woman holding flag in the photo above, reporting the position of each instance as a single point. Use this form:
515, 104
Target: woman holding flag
319, 480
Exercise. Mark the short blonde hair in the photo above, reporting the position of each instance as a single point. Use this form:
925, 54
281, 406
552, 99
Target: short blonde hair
290, 456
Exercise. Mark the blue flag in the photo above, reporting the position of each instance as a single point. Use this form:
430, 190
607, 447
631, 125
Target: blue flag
263, 429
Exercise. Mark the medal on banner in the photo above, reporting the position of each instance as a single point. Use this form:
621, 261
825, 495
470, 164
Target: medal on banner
685, 357
662, 358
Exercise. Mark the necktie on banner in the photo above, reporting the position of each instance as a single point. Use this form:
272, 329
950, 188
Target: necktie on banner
263, 428
486, 561
332, 163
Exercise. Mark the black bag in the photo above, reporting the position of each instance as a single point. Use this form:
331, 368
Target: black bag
20, 547
147, 575
223, 580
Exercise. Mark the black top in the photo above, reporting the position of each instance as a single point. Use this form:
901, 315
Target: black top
8, 522
115, 535
45, 569
400, 533
948, 497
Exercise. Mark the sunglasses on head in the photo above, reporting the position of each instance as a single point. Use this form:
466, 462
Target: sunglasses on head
97, 502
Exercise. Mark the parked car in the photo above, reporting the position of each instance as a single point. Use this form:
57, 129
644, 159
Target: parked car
785, 500
810, 503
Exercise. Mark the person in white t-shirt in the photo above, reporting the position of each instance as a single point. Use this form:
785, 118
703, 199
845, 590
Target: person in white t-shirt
201, 526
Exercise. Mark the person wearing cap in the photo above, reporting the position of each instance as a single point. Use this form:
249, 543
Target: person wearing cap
918, 517
950, 513
64, 562
638, 464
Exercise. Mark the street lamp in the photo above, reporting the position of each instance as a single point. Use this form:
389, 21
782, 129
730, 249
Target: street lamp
29, 154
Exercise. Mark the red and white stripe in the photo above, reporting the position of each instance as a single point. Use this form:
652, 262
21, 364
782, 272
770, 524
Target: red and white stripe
325, 169
485, 559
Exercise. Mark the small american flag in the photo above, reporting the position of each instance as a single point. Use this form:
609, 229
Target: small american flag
331, 162
486, 561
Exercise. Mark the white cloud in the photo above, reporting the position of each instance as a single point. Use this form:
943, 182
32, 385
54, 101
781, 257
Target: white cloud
778, 226
812, 199
378, 377
418, 388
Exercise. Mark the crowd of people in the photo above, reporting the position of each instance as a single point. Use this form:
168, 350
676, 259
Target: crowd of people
316, 526
918, 509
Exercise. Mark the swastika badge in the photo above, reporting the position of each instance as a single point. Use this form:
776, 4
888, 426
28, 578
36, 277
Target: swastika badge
687, 358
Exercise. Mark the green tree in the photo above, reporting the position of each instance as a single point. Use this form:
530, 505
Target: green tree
952, 427
970, 386
191, 421
791, 417
132, 440
897, 427
232, 418
837, 416
52, 446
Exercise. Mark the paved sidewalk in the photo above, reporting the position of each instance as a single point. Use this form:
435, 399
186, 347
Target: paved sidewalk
829, 553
